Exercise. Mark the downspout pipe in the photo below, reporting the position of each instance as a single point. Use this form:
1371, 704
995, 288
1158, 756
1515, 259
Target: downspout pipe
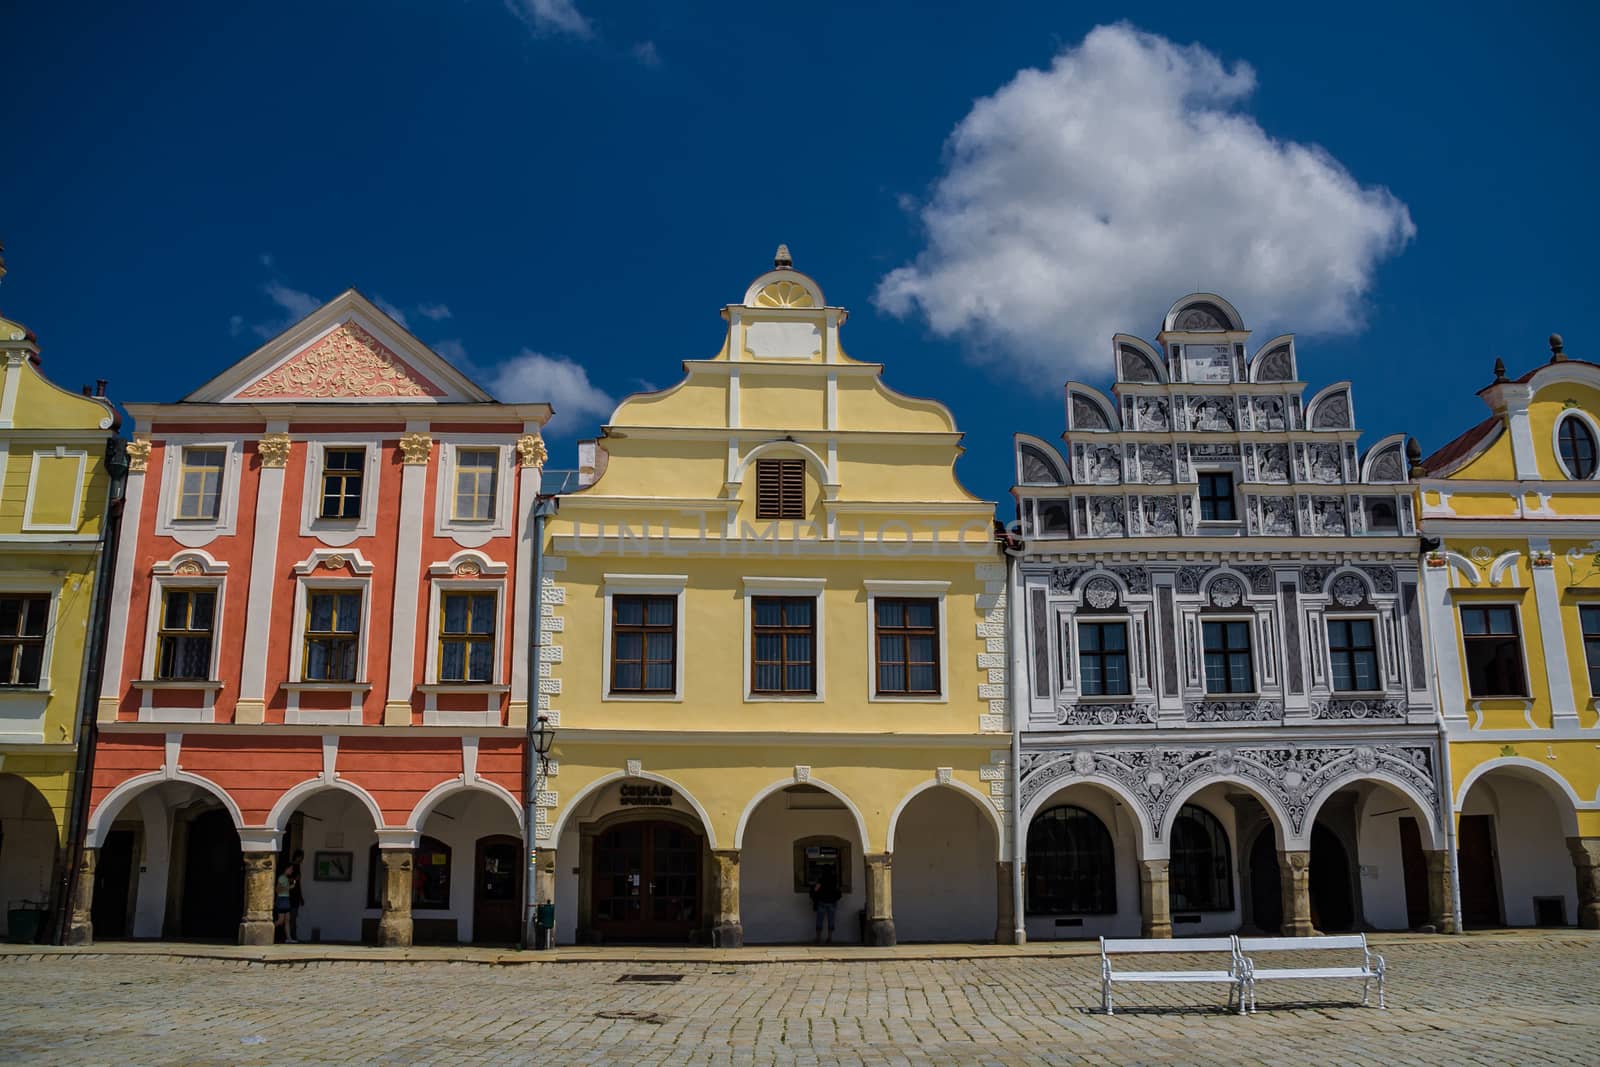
543, 507
1014, 675
89, 693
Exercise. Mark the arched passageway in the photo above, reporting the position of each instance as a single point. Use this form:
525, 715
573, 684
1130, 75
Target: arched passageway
1516, 868
946, 872
336, 832
795, 837
459, 871
28, 857
1081, 873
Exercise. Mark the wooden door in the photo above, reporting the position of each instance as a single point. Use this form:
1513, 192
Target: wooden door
497, 891
1477, 868
1414, 866
645, 885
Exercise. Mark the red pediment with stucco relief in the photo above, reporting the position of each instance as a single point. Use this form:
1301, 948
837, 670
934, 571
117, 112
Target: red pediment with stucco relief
346, 364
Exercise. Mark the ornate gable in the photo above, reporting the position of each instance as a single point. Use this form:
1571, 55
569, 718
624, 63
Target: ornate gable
346, 364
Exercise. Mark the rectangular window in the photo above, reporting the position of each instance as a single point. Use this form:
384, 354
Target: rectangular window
1103, 659
341, 482
333, 636
476, 471
644, 644
1589, 614
1353, 655
1228, 668
1216, 496
200, 483
784, 645
466, 637
1494, 651
183, 642
780, 488
907, 646
23, 620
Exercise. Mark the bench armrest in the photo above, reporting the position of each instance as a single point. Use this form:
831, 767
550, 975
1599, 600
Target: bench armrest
1374, 962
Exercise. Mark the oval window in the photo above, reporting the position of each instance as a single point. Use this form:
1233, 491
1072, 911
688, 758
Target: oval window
1576, 443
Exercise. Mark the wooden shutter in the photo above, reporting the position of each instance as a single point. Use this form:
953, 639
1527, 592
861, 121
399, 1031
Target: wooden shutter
780, 489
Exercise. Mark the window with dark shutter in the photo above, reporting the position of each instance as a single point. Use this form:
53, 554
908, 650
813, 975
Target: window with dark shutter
780, 488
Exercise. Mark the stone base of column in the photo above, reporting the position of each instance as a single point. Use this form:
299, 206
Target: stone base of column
394, 924
727, 935
726, 929
880, 900
256, 926
394, 931
1005, 915
880, 933
1586, 866
1441, 899
80, 910
1294, 871
1155, 907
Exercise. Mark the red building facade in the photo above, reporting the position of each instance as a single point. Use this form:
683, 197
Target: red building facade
318, 643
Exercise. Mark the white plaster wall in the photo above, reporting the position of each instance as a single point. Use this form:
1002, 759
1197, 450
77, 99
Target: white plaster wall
944, 875
151, 878
1382, 873
1124, 832
28, 850
769, 908
459, 822
336, 822
1532, 850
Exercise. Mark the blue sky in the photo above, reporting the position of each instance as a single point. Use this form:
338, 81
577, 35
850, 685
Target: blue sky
562, 193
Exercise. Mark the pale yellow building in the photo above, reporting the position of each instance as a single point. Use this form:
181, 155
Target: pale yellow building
1513, 588
54, 490
775, 656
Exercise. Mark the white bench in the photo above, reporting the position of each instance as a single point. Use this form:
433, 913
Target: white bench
1370, 970
1233, 976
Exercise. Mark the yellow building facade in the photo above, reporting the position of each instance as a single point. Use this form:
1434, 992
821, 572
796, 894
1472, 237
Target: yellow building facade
1513, 588
773, 650
54, 491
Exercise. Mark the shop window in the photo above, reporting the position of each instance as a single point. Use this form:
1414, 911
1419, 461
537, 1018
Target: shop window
780, 488
1201, 871
1494, 651
1353, 655
783, 645
1071, 864
1103, 658
341, 482
183, 641
1227, 650
200, 483
24, 621
907, 646
815, 857
430, 876
644, 638
1589, 614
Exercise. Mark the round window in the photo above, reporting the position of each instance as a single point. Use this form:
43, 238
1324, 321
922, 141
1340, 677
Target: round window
1575, 441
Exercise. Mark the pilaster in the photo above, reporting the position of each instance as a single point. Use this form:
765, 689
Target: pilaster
251, 706
394, 924
1155, 902
255, 928
1294, 869
880, 900
417, 449
1441, 895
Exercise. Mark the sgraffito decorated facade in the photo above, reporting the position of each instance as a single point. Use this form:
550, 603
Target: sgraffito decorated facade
1512, 510
776, 649
1224, 700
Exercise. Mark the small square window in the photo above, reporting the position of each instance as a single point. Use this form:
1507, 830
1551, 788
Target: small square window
200, 483
1216, 497
780, 489
23, 621
342, 470
1494, 651
477, 471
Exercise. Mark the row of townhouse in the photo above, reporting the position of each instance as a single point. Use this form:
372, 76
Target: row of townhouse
1226, 670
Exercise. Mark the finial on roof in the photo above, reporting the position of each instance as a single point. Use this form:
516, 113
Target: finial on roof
1556, 353
783, 260
1500, 371
1414, 457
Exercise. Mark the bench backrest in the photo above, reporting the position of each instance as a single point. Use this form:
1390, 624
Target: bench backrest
1301, 944
1166, 945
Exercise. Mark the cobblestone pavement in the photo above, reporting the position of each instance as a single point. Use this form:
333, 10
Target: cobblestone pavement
1458, 1001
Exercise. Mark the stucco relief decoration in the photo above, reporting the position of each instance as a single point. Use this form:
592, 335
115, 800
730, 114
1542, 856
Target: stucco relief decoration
1160, 516
1270, 413
1065, 579
1543, 558
1276, 366
531, 451
784, 295
1187, 504
335, 563
1153, 413
1136, 367
1101, 466
1583, 564
1036, 470
1324, 460
1481, 555
1155, 463
1383, 579
1211, 413
349, 362
273, 448
1100, 593
1105, 517
1259, 577
416, 448
1436, 560
1333, 413
1327, 516
138, 453
1102, 715
468, 569
188, 569
1229, 711
1277, 515
1199, 318
1226, 592
1378, 709
1137, 579
1086, 414
1190, 577
1348, 590
1274, 461
1387, 467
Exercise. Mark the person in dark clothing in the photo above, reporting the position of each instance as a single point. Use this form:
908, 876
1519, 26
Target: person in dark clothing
297, 896
825, 902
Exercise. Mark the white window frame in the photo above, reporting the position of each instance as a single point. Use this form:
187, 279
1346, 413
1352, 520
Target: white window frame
296, 684
492, 691
673, 585
1126, 620
211, 575
470, 533
337, 533
22, 710
1255, 653
893, 589
1376, 619
1555, 442
785, 587
58, 452
196, 533
1522, 647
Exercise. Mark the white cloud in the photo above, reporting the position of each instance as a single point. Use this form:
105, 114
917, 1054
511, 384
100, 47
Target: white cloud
647, 54
532, 376
235, 325
295, 304
392, 311
1082, 200
436, 312
551, 16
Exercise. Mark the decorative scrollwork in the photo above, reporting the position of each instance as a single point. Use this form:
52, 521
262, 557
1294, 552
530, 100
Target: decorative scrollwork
1348, 590
1229, 711
1376, 709
1100, 593
1119, 714
1225, 592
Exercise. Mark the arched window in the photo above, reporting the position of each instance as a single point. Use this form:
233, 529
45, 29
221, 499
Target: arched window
1200, 874
1576, 442
1071, 864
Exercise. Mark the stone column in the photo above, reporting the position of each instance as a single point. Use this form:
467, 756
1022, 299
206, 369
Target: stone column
80, 919
255, 928
1441, 901
1294, 869
394, 925
880, 900
1586, 864
726, 930
1005, 913
1155, 903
